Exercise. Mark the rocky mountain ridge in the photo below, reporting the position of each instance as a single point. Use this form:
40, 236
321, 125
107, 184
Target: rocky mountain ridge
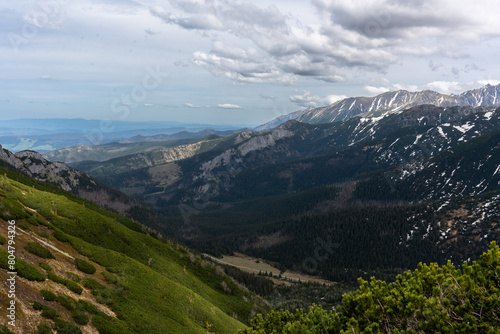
133, 145
295, 156
391, 102
33, 165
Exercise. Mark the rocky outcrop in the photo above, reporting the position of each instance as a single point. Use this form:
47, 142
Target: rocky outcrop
34, 165
263, 141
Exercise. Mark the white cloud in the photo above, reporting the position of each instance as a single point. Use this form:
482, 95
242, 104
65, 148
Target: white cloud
228, 106
447, 20
385, 86
190, 105
245, 66
207, 21
446, 87
489, 82
371, 90
330, 99
305, 99
456, 87
370, 34
286, 48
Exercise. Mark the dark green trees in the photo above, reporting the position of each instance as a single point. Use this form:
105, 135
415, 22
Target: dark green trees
432, 299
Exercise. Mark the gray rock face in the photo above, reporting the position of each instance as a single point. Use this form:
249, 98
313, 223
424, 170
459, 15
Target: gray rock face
34, 165
264, 141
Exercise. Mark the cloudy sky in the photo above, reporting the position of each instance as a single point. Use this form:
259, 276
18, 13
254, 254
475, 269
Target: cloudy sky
234, 62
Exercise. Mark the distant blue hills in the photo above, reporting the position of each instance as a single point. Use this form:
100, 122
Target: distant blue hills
47, 134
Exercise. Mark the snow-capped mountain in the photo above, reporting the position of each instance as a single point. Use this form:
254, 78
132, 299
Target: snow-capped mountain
390, 102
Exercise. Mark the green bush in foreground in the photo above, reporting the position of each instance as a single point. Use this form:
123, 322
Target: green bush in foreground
57, 279
74, 287
66, 301
108, 325
109, 278
32, 220
44, 329
84, 266
45, 266
432, 299
89, 307
48, 295
79, 315
47, 312
92, 284
65, 327
38, 250
61, 326
22, 268
69, 284
73, 277
5, 330
28, 272
61, 236
43, 234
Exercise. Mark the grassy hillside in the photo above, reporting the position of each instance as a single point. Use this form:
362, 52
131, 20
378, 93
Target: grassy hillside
140, 284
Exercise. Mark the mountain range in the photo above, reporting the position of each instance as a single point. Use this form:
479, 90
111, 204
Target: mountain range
364, 187
294, 156
381, 105
256, 192
387, 103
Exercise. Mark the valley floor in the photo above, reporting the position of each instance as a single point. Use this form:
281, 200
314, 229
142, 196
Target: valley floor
254, 265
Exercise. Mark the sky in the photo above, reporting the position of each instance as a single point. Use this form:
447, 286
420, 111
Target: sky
234, 62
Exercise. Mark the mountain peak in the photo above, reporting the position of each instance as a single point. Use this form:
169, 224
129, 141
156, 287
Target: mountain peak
389, 103
28, 154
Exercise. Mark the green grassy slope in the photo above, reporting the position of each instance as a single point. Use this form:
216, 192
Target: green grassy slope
160, 287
